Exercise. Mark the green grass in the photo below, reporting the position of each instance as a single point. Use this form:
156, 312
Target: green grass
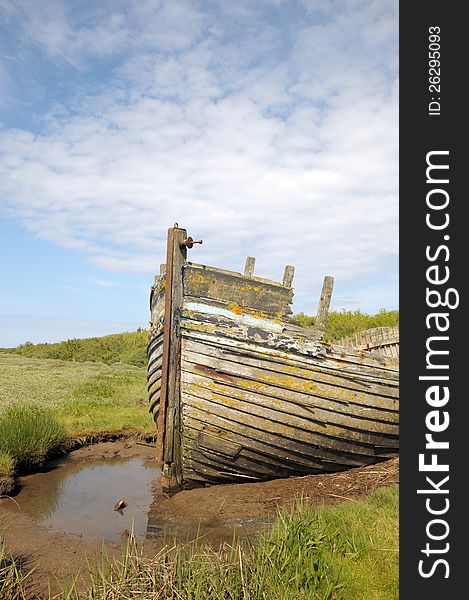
85, 397
128, 348
342, 550
7, 464
11, 578
28, 435
81, 398
347, 552
345, 323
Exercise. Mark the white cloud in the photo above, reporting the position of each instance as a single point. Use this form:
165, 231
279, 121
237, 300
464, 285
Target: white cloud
288, 155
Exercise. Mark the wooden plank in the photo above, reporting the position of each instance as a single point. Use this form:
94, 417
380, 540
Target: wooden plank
172, 441
324, 303
302, 455
222, 331
289, 423
175, 257
269, 444
313, 383
280, 459
220, 416
384, 340
243, 294
215, 443
314, 411
299, 457
316, 370
246, 329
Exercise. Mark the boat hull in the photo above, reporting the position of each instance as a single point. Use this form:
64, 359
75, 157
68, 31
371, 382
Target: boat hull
252, 412
241, 393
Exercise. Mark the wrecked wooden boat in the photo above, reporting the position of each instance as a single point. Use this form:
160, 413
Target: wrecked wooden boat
241, 393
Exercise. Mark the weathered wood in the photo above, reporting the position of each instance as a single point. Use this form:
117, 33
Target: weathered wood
269, 447
384, 340
219, 415
287, 402
314, 396
310, 420
218, 444
168, 440
251, 295
166, 348
249, 266
241, 393
172, 441
333, 360
288, 275
324, 303
247, 328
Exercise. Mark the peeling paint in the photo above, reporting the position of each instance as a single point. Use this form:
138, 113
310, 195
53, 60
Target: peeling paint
241, 318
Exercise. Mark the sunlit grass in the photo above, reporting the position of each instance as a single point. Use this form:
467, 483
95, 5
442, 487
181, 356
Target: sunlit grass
80, 398
347, 322
29, 434
7, 463
347, 552
84, 397
11, 578
128, 348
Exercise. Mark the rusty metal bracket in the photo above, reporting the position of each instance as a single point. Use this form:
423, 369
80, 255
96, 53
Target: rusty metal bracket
189, 242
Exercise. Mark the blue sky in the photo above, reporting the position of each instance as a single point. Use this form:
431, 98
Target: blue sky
266, 127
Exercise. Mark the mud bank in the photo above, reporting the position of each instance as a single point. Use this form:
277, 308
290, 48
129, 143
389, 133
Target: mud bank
214, 513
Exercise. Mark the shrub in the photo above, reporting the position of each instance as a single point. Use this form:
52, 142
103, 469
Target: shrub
347, 322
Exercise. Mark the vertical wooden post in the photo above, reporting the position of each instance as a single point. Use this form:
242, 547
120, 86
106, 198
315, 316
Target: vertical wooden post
288, 275
249, 267
324, 303
168, 440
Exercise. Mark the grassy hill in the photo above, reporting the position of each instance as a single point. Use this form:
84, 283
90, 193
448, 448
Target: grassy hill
127, 348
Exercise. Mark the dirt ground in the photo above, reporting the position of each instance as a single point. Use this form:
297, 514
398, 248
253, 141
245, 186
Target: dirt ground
212, 513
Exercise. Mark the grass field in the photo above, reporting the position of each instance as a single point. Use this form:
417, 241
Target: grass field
81, 397
345, 323
127, 348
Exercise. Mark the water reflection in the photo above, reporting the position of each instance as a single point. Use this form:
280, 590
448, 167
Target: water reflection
79, 498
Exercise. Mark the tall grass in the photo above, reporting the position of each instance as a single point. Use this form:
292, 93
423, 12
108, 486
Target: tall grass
29, 434
11, 577
346, 322
7, 464
348, 552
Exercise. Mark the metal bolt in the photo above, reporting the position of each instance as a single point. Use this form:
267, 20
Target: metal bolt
189, 242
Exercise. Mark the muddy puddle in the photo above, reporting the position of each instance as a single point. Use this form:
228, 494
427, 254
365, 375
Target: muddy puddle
59, 519
79, 497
